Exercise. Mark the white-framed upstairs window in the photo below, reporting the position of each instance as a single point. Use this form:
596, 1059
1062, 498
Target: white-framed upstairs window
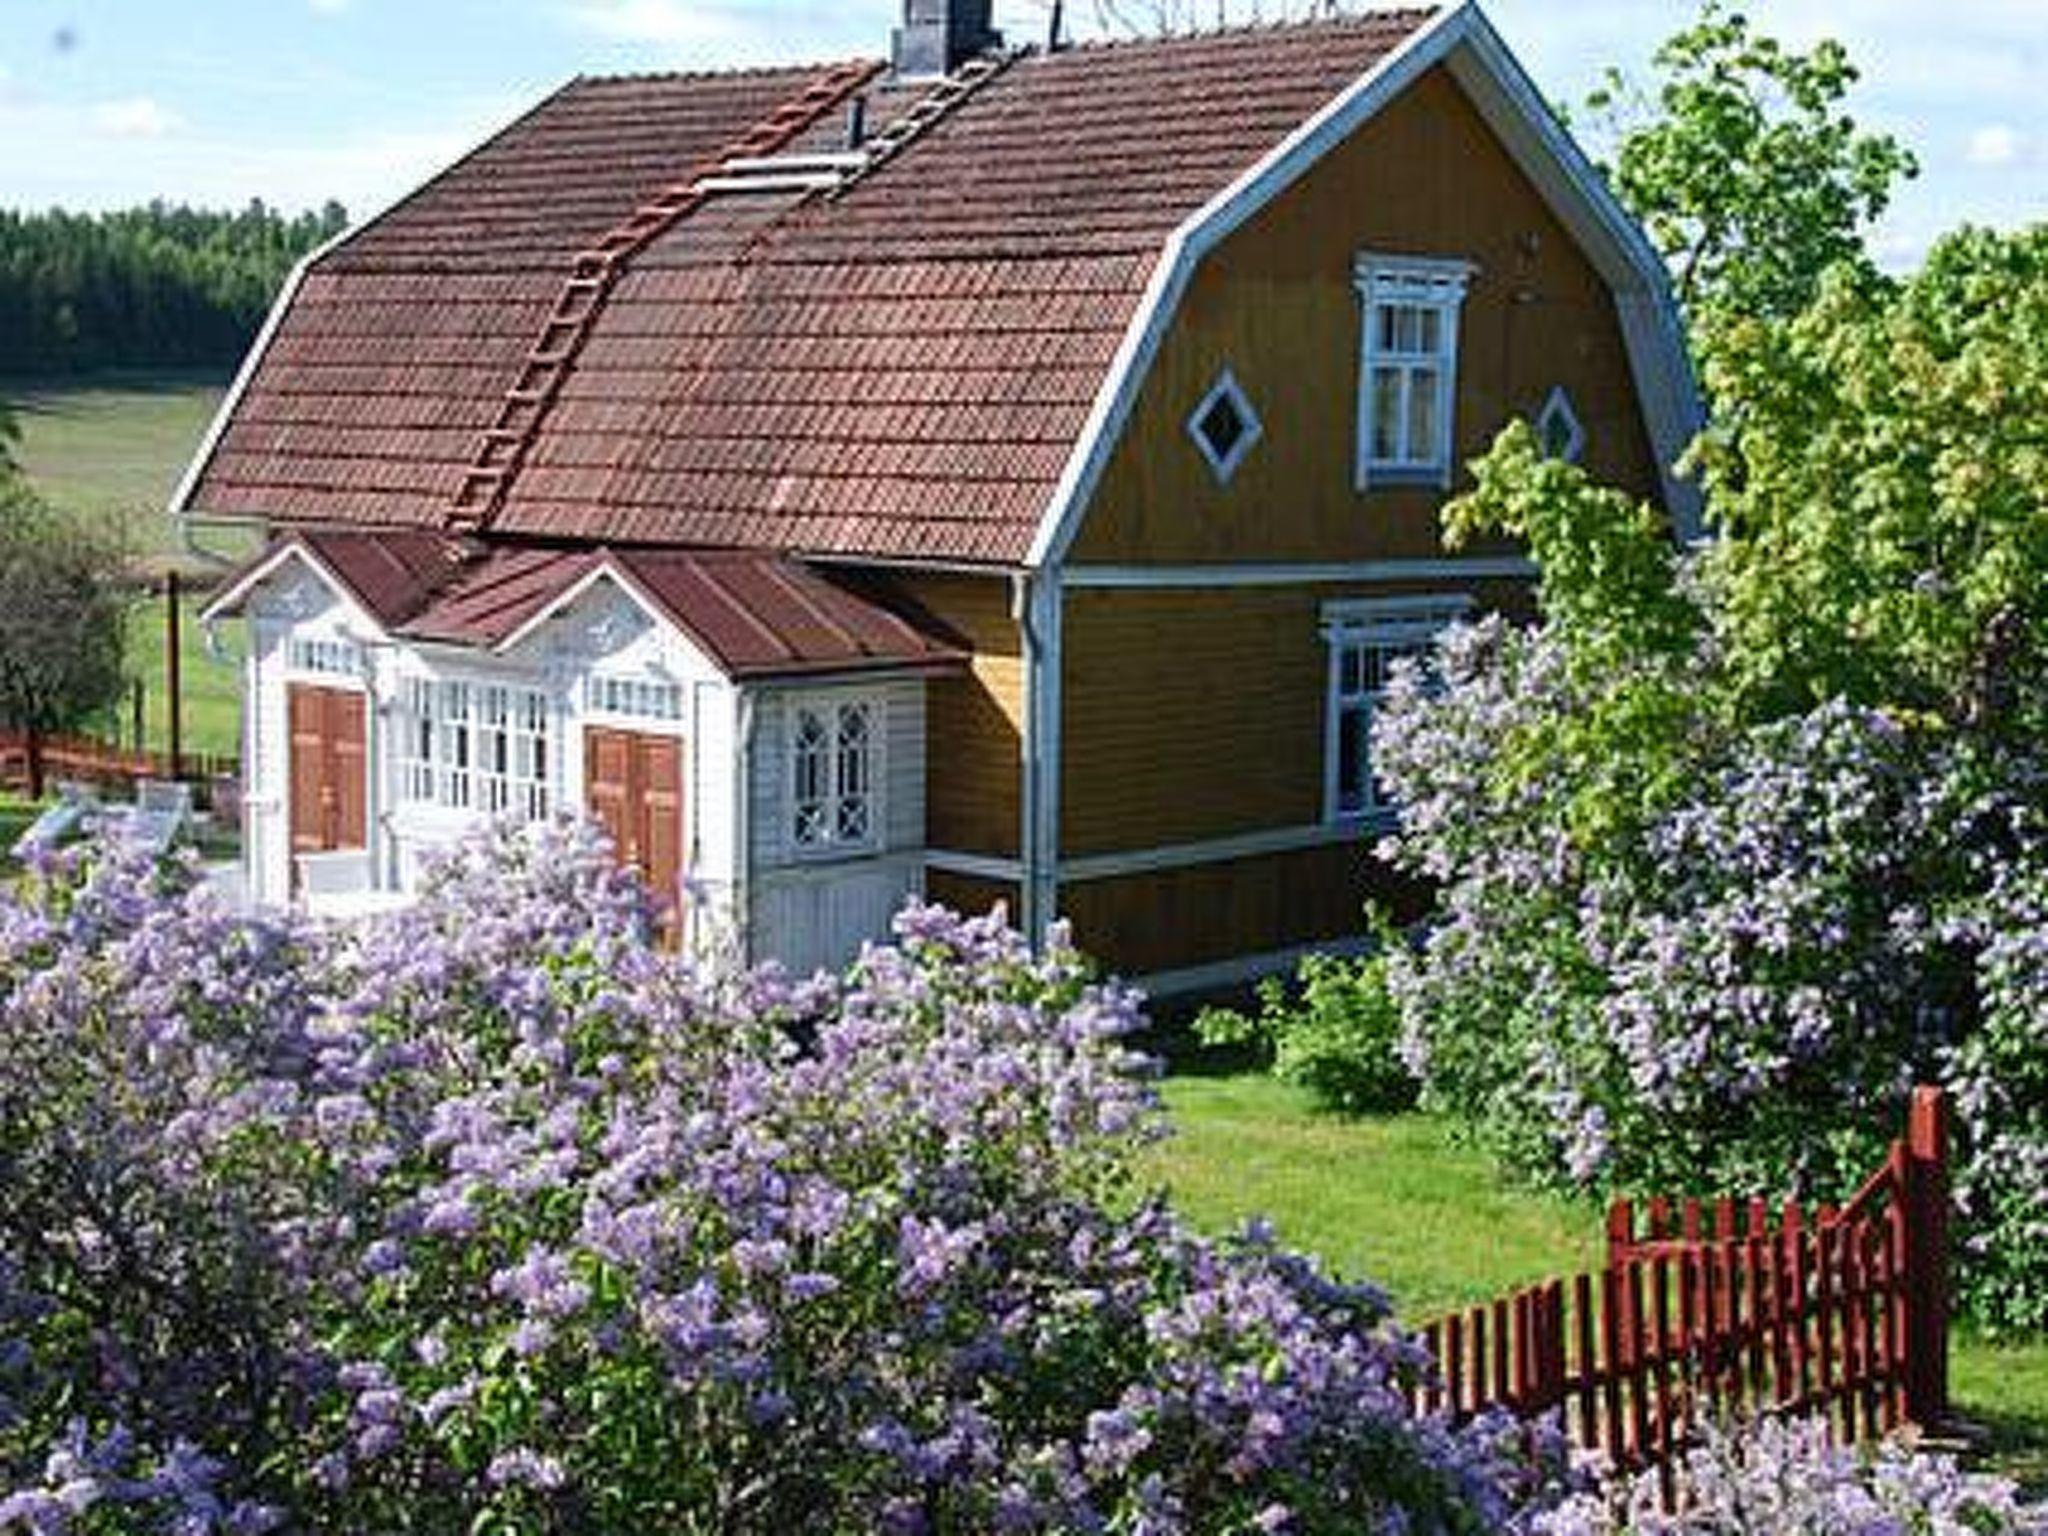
1408, 368
1366, 637
467, 746
835, 773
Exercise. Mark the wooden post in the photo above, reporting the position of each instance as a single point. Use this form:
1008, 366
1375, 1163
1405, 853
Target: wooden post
172, 679
1926, 1258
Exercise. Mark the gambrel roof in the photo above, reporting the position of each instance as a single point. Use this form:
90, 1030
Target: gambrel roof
900, 356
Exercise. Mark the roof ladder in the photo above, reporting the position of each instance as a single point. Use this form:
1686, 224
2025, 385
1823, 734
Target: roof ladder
942, 98
503, 445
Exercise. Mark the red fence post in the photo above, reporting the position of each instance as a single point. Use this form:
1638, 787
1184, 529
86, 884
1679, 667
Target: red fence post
1926, 1257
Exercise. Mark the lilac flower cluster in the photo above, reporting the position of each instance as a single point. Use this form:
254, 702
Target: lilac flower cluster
1678, 950
1783, 1475
489, 1215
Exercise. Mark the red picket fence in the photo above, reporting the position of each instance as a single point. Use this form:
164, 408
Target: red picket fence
1729, 1306
101, 763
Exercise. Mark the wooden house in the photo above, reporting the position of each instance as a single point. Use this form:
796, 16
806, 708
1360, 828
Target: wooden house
1001, 473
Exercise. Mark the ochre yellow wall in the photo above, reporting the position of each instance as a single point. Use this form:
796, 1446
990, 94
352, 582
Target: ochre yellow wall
1170, 919
974, 721
1190, 715
1277, 305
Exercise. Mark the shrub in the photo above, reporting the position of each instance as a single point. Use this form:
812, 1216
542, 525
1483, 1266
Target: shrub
488, 1217
1783, 1476
1337, 1033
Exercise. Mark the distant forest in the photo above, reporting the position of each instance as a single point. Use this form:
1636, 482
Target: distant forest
154, 287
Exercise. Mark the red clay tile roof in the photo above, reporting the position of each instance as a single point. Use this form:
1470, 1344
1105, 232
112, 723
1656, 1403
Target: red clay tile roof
900, 370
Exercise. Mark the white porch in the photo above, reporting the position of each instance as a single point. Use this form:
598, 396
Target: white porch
783, 811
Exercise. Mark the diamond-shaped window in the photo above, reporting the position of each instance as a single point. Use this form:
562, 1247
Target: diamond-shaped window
1558, 429
1224, 426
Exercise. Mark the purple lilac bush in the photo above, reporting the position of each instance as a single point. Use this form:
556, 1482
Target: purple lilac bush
1783, 1476
488, 1216
1728, 973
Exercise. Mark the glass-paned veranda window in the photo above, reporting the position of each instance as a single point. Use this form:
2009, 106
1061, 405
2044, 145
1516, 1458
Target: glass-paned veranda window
1366, 639
834, 752
475, 746
1408, 369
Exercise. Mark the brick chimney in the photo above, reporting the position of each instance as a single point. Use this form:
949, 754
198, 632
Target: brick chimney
938, 36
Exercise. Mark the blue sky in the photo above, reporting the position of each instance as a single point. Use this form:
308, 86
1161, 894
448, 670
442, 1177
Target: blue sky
110, 102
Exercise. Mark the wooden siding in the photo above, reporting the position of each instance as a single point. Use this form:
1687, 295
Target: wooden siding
970, 894
1170, 919
1276, 304
974, 723
1190, 715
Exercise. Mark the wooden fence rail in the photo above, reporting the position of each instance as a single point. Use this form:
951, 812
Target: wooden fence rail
1708, 1307
99, 762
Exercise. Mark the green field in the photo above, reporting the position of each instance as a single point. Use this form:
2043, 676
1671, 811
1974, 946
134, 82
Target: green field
114, 446
1394, 1200
111, 450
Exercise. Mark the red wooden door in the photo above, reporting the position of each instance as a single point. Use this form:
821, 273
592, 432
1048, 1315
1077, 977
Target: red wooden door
634, 785
329, 778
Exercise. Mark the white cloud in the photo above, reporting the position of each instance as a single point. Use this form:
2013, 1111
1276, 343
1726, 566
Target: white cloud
327, 7
1994, 144
134, 117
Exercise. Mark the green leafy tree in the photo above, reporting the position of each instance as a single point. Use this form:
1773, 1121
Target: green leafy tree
1741, 164
158, 286
1882, 491
61, 632
1739, 842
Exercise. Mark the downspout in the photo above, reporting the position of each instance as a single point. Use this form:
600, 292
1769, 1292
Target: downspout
1023, 613
1035, 603
1050, 626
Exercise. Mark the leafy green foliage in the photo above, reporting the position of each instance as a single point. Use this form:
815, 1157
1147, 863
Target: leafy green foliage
61, 619
1744, 170
1737, 845
1882, 489
147, 287
1338, 1035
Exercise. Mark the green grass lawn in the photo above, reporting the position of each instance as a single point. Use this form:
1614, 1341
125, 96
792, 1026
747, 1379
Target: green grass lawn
16, 812
1394, 1200
114, 446
211, 683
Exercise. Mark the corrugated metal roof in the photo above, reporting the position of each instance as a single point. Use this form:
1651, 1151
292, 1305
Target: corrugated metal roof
755, 613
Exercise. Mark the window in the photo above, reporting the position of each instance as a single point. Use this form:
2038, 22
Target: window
1558, 429
1408, 376
833, 781
639, 697
475, 746
1365, 640
337, 658
1224, 426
